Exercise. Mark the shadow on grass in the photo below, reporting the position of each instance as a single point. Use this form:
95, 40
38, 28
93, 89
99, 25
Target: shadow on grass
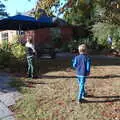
63, 63
105, 61
91, 96
60, 64
61, 77
102, 101
46, 66
35, 82
105, 76
19, 84
106, 99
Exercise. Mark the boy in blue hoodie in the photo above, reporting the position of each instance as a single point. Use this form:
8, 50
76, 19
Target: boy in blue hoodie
82, 65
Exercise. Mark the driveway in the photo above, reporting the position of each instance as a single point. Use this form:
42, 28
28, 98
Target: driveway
8, 97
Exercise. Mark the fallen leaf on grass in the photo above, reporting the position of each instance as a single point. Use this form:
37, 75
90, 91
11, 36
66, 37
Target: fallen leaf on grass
30, 85
60, 103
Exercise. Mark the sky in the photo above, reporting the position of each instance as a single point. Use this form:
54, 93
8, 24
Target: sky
62, 2
14, 6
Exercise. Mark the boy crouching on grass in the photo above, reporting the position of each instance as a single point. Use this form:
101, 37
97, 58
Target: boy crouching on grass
82, 65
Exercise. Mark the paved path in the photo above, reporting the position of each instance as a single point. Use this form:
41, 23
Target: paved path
8, 97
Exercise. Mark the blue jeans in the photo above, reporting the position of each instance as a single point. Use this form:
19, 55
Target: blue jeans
81, 83
30, 66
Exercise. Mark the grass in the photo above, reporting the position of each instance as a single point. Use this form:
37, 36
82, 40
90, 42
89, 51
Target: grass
53, 96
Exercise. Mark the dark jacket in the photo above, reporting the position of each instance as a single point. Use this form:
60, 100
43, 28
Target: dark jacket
30, 50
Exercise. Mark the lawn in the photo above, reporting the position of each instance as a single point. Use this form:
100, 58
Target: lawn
53, 95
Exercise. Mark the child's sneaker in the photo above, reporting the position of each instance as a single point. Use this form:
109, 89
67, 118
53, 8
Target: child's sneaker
82, 101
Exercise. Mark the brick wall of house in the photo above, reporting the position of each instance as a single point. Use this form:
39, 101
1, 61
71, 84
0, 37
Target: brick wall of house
66, 33
43, 35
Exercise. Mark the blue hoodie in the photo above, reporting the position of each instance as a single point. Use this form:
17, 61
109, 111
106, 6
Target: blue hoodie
82, 65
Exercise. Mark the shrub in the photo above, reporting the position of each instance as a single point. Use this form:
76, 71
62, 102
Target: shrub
5, 58
18, 50
101, 32
73, 44
12, 57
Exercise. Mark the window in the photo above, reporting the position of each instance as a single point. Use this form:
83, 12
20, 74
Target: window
20, 32
4, 36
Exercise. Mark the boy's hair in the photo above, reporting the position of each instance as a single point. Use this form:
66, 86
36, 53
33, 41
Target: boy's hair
82, 48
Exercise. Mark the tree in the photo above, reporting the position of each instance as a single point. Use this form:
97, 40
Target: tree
3, 12
87, 11
103, 16
75, 11
43, 7
78, 12
107, 11
107, 22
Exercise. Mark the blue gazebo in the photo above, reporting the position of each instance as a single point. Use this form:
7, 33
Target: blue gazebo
22, 22
18, 22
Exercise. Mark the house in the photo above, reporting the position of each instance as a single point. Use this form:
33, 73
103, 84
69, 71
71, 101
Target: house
62, 33
9, 36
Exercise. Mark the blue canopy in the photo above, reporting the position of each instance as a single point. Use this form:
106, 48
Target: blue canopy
47, 21
22, 22
22, 18
51, 21
19, 22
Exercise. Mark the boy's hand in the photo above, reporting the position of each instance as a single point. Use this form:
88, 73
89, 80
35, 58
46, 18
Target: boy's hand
35, 53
